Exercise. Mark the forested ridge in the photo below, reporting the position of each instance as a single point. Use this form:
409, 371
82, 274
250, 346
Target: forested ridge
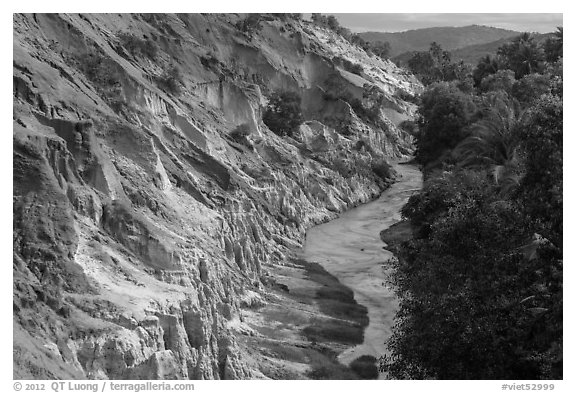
480, 282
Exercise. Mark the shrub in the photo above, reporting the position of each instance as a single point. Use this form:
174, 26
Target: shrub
250, 24
104, 73
283, 114
382, 169
409, 126
139, 47
99, 69
349, 66
171, 80
381, 49
335, 89
405, 96
209, 61
365, 367
240, 133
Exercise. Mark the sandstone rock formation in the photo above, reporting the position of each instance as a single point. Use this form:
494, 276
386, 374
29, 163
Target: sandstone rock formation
141, 227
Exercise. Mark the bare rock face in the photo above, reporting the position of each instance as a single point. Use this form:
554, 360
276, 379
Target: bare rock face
141, 227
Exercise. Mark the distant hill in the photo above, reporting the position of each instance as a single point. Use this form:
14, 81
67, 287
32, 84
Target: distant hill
449, 38
473, 53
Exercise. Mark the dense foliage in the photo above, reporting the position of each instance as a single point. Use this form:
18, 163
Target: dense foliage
283, 114
445, 111
480, 283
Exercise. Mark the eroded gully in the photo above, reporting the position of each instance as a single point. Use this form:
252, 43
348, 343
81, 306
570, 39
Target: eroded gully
350, 248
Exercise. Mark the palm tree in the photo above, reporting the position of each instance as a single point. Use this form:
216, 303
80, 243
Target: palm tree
554, 46
494, 142
486, 66
523, 55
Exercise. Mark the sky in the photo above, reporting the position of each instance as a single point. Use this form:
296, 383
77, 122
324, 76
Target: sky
541, 23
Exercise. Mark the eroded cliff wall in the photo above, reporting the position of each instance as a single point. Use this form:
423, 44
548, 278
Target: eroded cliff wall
142, 225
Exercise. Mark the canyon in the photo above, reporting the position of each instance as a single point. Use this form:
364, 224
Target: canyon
150, 240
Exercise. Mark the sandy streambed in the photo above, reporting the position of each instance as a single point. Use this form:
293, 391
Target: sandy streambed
350, 249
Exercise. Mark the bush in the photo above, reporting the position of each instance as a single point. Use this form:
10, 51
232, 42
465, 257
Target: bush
209, 62
283, 114
365, 367
171, 80
250, 24
100, 70
381, 49
349, 66
240, 133
335, 89
405, 96
104, 73
382, 169
139, 47
409, 126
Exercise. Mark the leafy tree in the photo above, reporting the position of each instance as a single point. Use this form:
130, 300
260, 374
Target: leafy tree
283, 114
445, 113
421, 63
522, 55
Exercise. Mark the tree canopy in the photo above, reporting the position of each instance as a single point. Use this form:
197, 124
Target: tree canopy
480, 283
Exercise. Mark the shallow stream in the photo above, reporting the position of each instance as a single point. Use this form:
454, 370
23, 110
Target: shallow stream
350, 248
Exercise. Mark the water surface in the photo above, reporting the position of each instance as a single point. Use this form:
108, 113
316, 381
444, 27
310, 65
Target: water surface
350, 248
